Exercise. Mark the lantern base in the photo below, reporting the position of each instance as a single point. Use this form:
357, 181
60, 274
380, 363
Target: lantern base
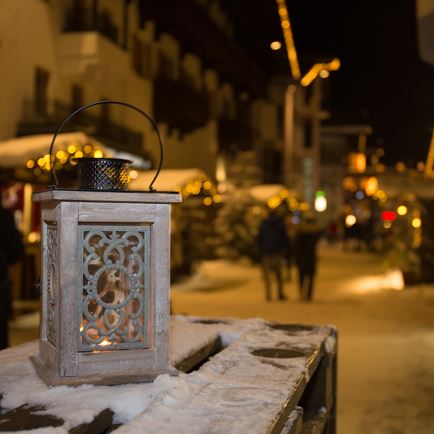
51, 378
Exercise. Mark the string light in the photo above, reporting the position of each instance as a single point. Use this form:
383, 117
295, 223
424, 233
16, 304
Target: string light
316, 69
289, 39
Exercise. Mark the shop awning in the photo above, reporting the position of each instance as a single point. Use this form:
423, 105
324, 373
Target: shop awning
15, 152
168, 179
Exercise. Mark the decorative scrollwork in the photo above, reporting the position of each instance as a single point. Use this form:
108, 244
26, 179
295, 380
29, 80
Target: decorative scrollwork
51, 228
113, 287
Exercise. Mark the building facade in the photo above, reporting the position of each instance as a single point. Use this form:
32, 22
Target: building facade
180, 63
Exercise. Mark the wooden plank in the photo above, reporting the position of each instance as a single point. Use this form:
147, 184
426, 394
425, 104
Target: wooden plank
101, 424
253, 385
265, 380
26, 418
294, 424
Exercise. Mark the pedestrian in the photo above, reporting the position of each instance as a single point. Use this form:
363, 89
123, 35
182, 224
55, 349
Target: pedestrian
273, 244
11, 251
291, 230
307, 239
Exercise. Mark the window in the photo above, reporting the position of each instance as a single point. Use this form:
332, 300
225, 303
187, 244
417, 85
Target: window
76, 96
165, 66
141, 58
41, 80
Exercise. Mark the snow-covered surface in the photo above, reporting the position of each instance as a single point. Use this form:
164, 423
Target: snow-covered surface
235, 391
263, 192
15, 152
168, 179
386, 337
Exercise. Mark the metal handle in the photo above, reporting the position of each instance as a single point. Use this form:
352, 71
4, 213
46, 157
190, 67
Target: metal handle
125, 104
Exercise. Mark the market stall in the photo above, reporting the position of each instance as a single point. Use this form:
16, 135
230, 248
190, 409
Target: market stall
192, 221
24, 169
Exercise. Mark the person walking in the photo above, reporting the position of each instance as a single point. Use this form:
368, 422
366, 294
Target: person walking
306, 255
11, 251
272, 243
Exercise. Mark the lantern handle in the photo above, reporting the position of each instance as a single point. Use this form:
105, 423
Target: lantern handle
125, 104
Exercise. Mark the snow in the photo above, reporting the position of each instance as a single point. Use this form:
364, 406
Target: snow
264, 192
233, 385
168, 179
386, 338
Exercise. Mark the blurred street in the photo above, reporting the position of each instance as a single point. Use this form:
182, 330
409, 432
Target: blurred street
386, 336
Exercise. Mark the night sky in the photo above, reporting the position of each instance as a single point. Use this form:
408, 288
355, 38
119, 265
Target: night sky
382, 81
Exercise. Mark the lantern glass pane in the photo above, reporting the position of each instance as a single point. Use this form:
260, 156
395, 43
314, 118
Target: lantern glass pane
113, 281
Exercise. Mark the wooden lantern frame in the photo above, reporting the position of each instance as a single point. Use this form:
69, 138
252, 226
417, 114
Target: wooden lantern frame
66, 217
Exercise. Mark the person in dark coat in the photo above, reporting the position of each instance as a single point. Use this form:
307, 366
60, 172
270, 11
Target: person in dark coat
11, 251
306, 255
272, 243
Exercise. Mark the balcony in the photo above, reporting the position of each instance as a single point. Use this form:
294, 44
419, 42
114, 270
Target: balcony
190, 24
234, 135
108, 132
85, 19
179, 105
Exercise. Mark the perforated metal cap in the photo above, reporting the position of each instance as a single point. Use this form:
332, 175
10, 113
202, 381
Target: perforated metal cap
108, 174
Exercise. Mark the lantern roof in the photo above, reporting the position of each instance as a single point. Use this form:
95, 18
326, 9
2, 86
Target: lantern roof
107, 196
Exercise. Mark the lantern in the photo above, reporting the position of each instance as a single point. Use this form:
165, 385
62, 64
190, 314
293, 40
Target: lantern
105, 276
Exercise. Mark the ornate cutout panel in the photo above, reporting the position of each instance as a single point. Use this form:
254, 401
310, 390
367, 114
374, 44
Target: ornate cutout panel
113, 283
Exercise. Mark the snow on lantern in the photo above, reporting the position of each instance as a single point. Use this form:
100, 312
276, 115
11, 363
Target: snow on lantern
105, 275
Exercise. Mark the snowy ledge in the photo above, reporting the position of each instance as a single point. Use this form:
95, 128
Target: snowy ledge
241, 376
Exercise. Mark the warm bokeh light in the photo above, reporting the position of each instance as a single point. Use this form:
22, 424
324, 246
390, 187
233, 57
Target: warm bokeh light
289, 39
420, 166
293, 203
400, 167
133, 174
324, 73
274, 202
371, 186
98, 154
30, 164
402, 210
276, 45
357, 162
71, 149
416, 222
350, 220
207, 201
33, 237
304, 206
316, 69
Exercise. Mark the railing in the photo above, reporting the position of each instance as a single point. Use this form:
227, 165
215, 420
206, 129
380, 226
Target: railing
234, 135
85, 19
180, 105
104, 129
